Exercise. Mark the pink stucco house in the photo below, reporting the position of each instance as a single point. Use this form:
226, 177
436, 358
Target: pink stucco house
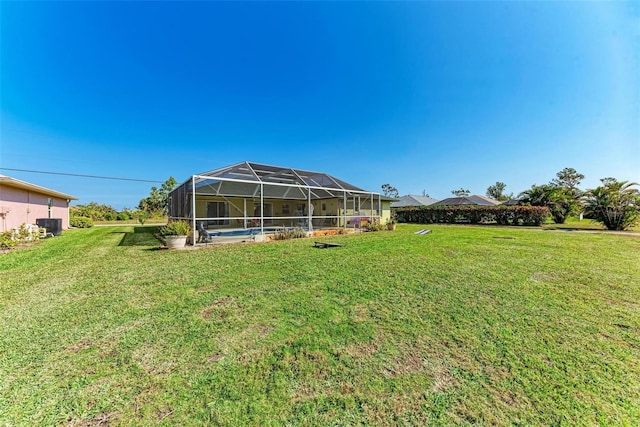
22, 203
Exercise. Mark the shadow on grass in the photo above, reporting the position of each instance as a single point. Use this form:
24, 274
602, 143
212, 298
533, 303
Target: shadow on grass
140, 236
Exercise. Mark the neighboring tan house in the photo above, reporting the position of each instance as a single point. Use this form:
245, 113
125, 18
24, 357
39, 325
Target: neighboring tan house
249, 195
23, 203
413, 201
467, 201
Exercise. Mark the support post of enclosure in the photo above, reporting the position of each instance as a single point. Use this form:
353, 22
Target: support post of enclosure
309, 211
344, 209
371, 201
261, 208
193, 210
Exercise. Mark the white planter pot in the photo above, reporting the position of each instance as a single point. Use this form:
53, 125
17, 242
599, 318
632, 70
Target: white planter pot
175, 242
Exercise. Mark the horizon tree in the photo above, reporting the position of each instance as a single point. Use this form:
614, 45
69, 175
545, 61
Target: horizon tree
157, 203
568, 178
390, 191
496, 191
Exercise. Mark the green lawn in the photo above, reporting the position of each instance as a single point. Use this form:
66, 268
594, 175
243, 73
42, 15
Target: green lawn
573, 224
467, 325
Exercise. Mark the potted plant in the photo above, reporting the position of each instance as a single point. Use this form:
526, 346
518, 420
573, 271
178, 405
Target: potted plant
391, 224
175, 234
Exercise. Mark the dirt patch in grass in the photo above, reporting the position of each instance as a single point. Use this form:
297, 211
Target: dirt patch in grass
361, 349
540, 276
412, 361
219, 309
258, 330
406, 364
442, 378
359, 314
214, 358
82, 345
153, 360
398, 409
104, 419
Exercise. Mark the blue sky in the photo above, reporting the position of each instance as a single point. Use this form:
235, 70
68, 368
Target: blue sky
422, 95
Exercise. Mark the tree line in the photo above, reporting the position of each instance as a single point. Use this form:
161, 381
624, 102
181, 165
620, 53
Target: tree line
155, 205
615, 204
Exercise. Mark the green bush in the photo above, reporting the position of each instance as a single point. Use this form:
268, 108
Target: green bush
503, 215
375, 226
176, 228
292, 233
81, 222
6, 241
123, 216
23, 234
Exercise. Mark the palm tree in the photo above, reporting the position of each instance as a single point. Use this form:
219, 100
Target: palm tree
559, 200
614, 203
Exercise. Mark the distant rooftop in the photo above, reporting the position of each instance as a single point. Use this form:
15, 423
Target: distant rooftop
468, 200
412, 200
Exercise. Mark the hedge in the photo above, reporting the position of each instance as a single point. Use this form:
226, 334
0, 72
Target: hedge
503, 215
81, 222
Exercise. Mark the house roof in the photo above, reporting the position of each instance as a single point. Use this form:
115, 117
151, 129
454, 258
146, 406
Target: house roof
245, 178
511, 202
413, 200
16, 183
468, 200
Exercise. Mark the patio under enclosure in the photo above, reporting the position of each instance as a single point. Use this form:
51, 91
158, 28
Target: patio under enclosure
256, 199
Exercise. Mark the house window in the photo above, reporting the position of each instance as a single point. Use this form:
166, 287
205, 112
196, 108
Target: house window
285, 209
324, 207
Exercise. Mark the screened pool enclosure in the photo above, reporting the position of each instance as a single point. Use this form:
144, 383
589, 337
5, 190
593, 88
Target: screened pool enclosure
262, 197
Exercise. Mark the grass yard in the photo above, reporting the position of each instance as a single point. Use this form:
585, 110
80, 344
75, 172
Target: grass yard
467, 325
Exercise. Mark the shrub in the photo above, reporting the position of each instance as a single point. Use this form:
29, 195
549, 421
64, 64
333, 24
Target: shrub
291, 233
375, 226
503, 215
6, 240
142, 216
81, 222
176, 228
23, 234
94, 211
